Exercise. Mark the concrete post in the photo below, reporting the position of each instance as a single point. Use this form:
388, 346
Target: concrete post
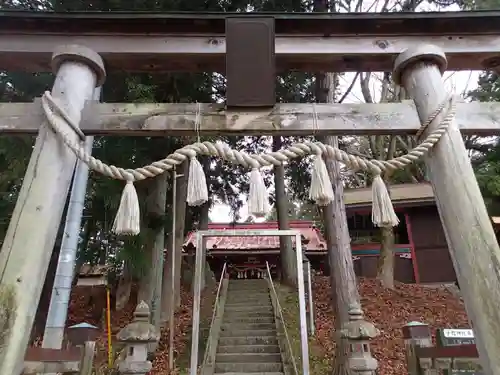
415, 334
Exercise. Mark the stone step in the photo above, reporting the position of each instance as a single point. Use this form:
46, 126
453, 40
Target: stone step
247, 281
247, 332
238, 326
238, 314
248, 349
248, 367
248, 340
248, 358
232, 308
253, 373
239, 295
249, 302
246, 291
244, 296
259, 305
230, 315
250, 287
248, 319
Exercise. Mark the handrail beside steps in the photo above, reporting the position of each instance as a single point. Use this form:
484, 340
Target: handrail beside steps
207, 356
278, 311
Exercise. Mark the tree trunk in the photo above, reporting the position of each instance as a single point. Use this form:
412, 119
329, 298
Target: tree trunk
383, 147
145, 292
288, 263
204, 218
342, 276
385, 264
151, 283
175, 254
343, 279
385, 261
124, 287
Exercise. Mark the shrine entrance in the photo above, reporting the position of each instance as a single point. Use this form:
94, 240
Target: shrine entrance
244, 266
246, 256
249, 268
200, 257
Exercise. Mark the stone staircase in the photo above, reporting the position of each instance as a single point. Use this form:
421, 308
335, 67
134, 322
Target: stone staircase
248, 341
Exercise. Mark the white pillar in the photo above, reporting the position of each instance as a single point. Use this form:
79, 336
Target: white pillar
59, 301
32, 231
467, 226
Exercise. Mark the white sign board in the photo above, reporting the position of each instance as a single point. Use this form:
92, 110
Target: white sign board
458, 333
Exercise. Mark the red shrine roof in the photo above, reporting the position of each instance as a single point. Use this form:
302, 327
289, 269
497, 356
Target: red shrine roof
312, 240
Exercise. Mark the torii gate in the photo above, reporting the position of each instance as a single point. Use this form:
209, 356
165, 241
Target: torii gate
310, 42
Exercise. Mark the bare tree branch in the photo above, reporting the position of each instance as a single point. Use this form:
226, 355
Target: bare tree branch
349, 89
392, 148
365, 87
402, 143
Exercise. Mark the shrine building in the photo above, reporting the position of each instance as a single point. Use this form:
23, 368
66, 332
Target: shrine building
421, 252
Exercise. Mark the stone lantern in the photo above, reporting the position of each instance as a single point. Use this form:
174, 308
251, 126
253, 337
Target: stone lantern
359, 332
137, 336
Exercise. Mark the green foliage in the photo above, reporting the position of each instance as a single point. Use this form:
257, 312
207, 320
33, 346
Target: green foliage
488, 177
488, 88
226, 182
486, 156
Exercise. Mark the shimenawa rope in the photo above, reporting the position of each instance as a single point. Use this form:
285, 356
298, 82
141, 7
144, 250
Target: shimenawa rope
128, 217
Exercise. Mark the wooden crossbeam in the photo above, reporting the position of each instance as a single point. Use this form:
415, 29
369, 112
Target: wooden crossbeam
139, 53
151, 119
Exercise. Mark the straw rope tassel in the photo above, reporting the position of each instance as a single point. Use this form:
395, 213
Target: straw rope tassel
258, 197
128, 217
321, 190
383, 214
197, 193
127, 220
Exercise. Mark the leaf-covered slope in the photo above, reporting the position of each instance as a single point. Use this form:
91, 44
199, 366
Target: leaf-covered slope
390, 310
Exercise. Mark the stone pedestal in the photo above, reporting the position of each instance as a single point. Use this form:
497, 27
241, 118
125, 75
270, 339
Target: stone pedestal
137, 336
359, 332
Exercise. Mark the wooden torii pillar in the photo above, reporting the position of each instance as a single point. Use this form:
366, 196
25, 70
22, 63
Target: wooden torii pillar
32, 231
471, 240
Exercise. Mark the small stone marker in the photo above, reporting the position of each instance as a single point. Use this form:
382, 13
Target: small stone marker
456, 337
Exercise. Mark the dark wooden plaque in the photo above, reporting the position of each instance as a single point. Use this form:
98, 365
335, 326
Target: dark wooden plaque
250, 62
